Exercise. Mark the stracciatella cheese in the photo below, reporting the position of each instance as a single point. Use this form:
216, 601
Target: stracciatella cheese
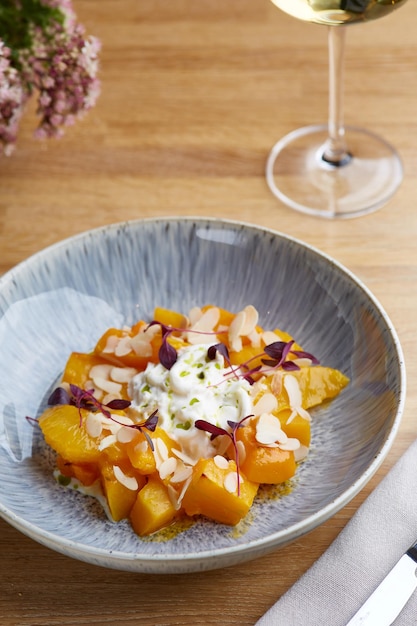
196, 387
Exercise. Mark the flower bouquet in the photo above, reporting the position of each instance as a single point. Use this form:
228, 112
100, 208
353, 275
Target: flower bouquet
44, 49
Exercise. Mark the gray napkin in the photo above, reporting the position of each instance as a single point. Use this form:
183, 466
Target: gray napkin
382, 529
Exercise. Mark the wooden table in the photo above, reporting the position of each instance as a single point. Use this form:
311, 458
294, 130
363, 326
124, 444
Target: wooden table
194, 95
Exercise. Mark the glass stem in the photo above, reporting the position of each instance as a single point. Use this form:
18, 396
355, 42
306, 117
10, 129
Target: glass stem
335, 150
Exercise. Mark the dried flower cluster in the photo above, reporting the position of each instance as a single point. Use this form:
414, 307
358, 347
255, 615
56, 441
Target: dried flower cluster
44, 49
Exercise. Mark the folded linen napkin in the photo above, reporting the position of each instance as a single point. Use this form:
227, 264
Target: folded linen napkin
382, 529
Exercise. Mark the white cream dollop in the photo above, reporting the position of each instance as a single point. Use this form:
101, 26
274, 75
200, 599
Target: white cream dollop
196, 387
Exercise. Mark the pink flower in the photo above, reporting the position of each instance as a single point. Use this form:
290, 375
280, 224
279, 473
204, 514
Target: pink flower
64, 73
12, 99
61, 64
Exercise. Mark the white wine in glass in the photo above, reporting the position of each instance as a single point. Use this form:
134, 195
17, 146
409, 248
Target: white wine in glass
331, 170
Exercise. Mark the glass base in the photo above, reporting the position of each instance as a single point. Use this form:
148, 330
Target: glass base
298, 175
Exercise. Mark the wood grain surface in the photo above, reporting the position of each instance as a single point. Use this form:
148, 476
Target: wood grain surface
194, 95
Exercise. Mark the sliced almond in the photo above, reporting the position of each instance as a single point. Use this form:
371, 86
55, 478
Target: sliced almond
107, 385
160, 451
167, 467
111, 425
100, 371
194, 315
230, 482
123, 420
237, 326
98, 394
125, 434
268, 430
111, 343
293, 390
205, 324
236, 343
150, 331
236, 331
129, 482
109, 397
141, 447
251, 320
221, 462
267, 403
290, 444
241, 450
106, 442
301, 453
173, 496
141, 345
295, 398
93, 425
269, 337
124, 346
254, 338
183, 490
182, 472
184, 457
122, 374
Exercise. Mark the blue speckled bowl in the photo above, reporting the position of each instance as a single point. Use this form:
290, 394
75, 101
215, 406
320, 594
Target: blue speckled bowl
63, 298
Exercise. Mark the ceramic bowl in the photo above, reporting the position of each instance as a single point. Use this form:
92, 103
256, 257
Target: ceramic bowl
63, 298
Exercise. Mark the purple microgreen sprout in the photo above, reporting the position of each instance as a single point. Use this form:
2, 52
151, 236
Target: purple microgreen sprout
249, 375
59, 396
167, 353
300, 354
84, 399
221, 348
216, 431
278, 351
149, 424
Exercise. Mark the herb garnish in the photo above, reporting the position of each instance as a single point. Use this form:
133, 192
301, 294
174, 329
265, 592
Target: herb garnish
216, 431
167, 353
84, 399
278, 353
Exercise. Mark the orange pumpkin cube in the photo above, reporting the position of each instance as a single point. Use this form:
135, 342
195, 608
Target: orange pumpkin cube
213, 492
63, 427
140, 454
78, 366
131, 359
299, 427
153, 508
263, 464
169, 318
85, 473
120, 498
317, 384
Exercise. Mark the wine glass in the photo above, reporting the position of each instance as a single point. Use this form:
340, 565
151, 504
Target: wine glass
331, 170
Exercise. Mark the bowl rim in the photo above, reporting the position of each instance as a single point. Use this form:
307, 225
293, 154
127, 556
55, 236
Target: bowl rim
217, 557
